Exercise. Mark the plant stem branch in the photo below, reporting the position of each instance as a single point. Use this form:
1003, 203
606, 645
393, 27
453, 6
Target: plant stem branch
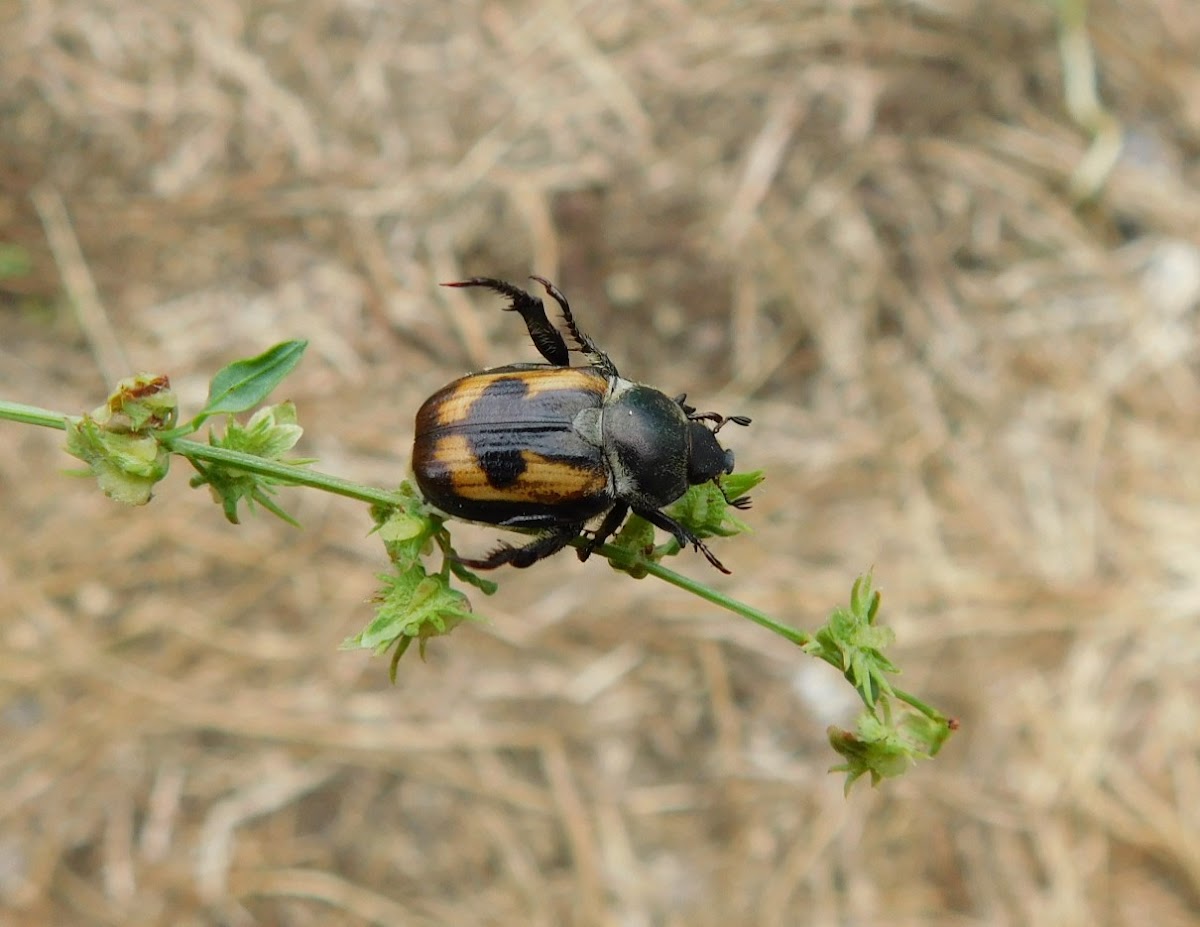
194, 450
795, 635
32, 415
291, 474
294, 475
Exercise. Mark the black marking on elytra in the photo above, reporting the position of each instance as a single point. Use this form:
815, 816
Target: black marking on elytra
502, 390
517, 424
546, 431
500, 462
543, 420
503, 467
498, 404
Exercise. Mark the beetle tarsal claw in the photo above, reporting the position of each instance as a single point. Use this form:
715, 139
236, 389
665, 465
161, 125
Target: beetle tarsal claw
701, 547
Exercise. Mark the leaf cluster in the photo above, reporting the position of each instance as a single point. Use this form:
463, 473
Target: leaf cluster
127, 442
884, 743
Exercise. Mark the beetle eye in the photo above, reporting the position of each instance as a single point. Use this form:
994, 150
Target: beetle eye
728, 461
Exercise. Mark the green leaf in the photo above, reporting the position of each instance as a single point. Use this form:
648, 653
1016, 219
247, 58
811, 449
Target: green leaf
245, 383
411, 605
853, 642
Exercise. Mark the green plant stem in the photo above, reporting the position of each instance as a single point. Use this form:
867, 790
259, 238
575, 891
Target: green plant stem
32, 415
283, 472
795, 635
924, 708
195, 450
302, 476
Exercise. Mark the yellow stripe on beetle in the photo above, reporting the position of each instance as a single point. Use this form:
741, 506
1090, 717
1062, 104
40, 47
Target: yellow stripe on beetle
543, 480
458, 399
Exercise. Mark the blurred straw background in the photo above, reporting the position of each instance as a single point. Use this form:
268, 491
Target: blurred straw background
854, 221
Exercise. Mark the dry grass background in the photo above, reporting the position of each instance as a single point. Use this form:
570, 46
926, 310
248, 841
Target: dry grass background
846, 219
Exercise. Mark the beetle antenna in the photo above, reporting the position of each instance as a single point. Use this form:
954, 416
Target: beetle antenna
721, 420
742, 420
584, 344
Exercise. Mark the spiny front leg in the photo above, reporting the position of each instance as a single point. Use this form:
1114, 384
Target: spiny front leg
682, 535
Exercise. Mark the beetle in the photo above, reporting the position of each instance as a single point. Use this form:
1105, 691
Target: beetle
549, 447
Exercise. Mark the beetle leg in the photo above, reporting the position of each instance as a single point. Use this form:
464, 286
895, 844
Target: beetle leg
741, 502
612, 521
546, 338
541, 547
682, 535
585, 344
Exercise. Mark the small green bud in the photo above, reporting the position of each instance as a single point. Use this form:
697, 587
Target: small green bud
270, 433
408, 528
875, 750
117, 442
125, 465
635, 541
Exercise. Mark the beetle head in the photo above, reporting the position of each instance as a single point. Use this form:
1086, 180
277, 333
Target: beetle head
706, 458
